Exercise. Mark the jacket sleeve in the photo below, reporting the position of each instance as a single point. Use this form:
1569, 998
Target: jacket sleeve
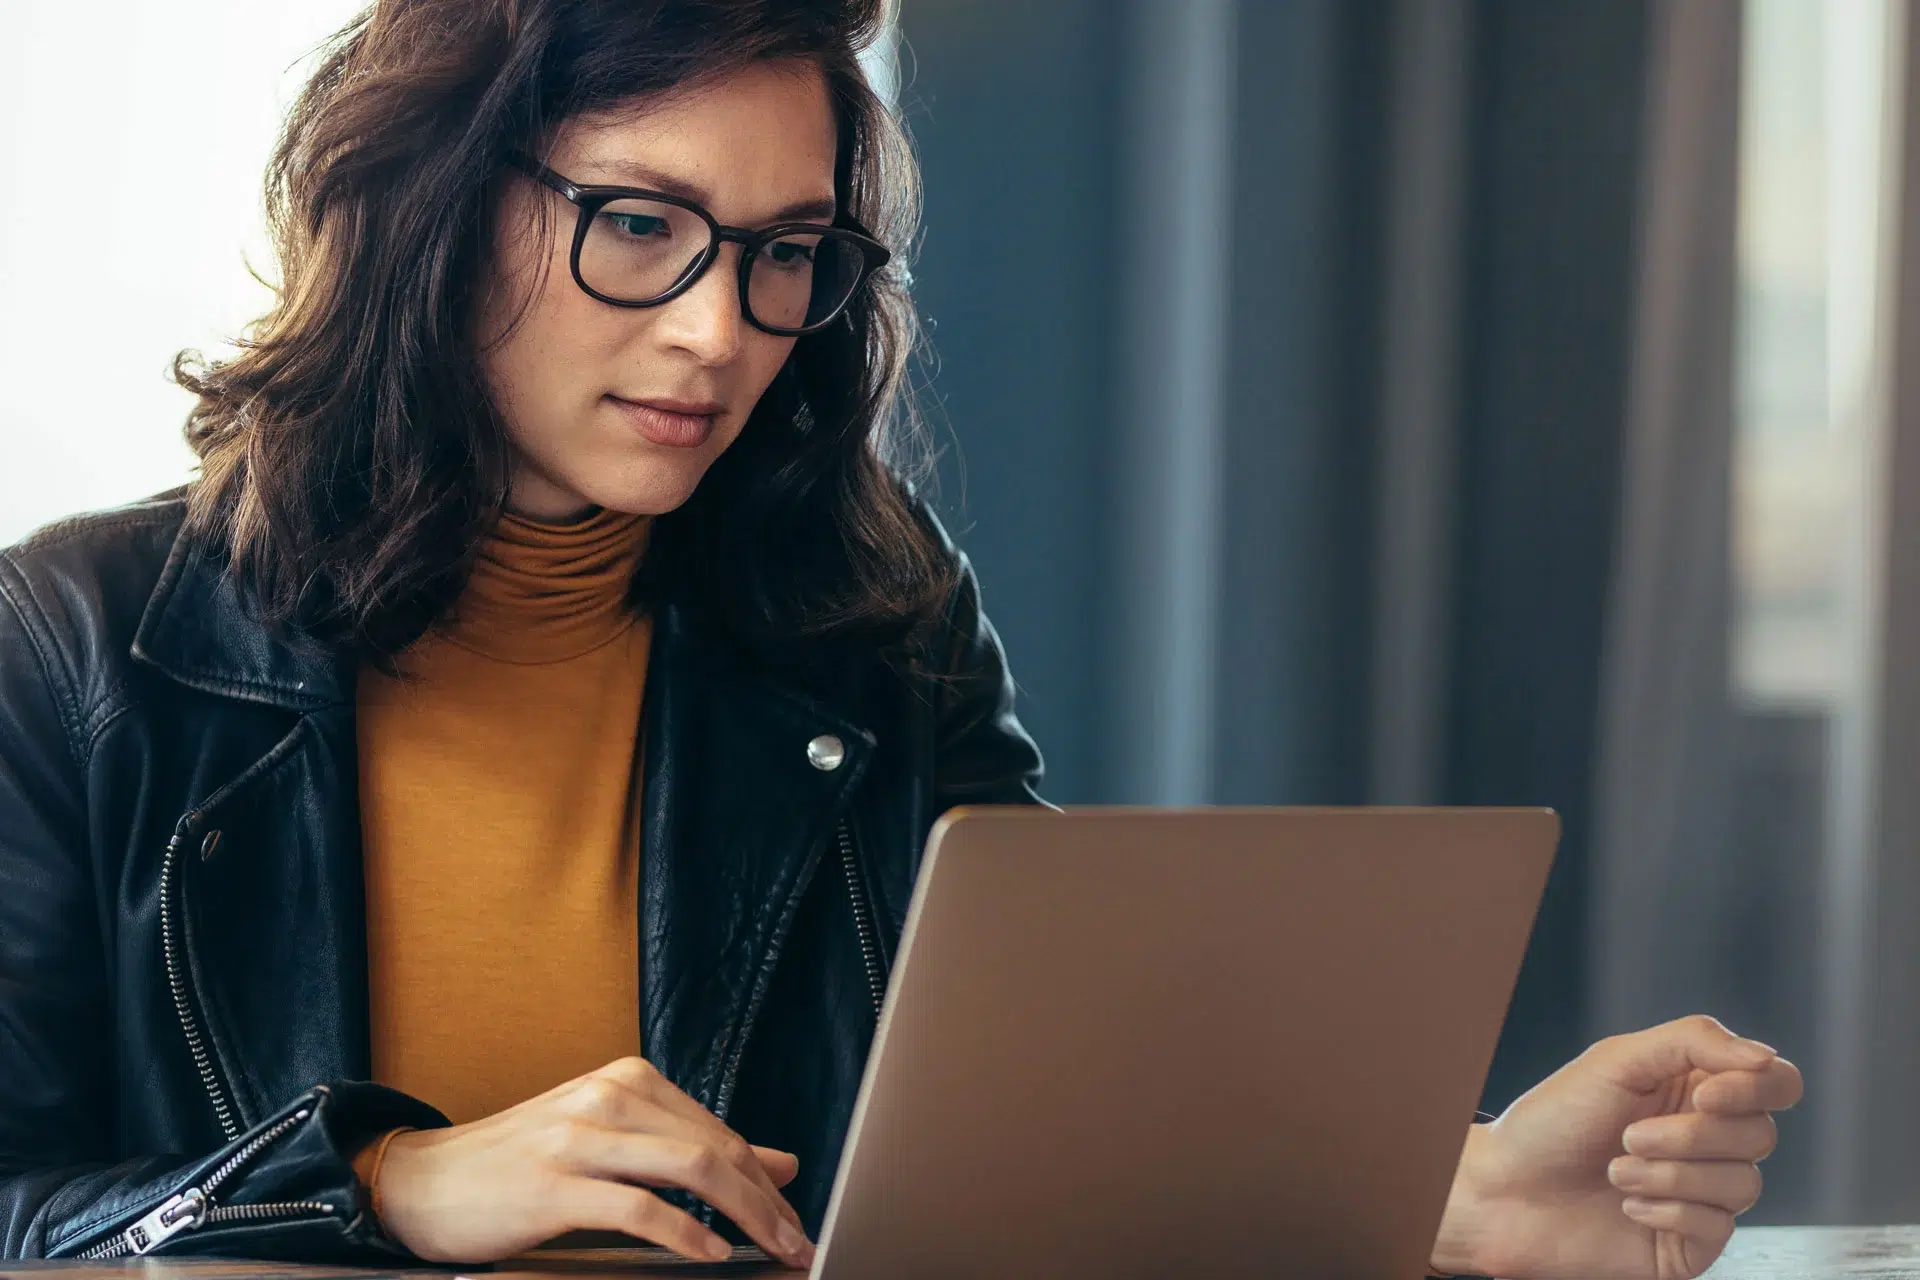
982, 755
284, 1190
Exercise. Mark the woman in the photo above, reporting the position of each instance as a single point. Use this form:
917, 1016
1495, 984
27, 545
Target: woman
538, 703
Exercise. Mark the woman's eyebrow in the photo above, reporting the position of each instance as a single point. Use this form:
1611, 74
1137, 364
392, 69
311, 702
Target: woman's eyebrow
631, 173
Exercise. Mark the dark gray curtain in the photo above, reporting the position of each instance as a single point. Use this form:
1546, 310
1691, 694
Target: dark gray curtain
1283, 357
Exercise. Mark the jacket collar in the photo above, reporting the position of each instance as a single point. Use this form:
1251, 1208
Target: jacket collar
200, 629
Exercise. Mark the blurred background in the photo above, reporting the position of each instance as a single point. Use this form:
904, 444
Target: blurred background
1410, 401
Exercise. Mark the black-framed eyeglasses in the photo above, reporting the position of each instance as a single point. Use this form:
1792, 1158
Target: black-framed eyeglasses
638, 248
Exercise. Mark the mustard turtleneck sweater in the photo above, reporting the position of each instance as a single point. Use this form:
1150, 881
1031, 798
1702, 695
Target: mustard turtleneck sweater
499, 805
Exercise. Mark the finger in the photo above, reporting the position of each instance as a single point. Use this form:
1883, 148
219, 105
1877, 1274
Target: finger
1775, 1087
781, 1167
1650, 1059
759, 1210
592, 1205
1701, 1232
1694, 1135
633, 1094
706, 1132
651, 1086
1733, 1185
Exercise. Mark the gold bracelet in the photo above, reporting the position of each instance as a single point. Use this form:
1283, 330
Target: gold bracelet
380, 1158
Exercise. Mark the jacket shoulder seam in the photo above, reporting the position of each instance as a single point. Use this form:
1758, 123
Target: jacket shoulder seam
32, 626
111, 708
72, 530
84, 724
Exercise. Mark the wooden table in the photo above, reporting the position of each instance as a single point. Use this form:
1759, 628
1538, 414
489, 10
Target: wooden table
1758, 1253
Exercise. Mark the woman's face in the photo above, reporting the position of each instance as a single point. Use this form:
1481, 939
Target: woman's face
625, 407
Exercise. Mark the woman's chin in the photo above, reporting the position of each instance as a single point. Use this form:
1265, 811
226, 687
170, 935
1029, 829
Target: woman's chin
648, 486
659, 490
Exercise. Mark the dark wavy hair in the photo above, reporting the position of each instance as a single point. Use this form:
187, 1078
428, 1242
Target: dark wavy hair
350, 458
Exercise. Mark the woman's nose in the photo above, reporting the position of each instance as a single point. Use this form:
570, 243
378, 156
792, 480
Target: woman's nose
706, 320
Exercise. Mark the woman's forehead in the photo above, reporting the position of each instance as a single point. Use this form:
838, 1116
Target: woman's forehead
758, 141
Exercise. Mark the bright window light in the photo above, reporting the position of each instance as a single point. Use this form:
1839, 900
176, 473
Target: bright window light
131, 158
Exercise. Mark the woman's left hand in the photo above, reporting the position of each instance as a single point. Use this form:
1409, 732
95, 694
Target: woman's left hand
1632, 1161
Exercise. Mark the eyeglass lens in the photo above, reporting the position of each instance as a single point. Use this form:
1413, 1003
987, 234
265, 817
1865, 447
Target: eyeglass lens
638, 250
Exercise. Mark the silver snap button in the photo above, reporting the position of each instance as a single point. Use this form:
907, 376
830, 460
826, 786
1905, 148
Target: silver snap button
826, 752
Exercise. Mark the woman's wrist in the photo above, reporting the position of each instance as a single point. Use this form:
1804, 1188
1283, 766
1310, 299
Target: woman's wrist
368, 1161
1458, 1246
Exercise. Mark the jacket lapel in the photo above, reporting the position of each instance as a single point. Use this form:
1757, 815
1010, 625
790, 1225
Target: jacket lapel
272, 901
736, 819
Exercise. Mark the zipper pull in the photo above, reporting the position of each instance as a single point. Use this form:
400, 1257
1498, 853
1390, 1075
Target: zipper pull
182, 1213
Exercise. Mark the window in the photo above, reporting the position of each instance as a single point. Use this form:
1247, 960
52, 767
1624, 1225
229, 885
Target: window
1811, 257
1821, 125
163, 115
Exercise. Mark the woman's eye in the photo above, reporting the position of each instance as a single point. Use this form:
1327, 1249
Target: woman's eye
787, 253
638, 224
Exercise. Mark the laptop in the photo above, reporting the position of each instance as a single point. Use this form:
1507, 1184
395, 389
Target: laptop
1209, 1042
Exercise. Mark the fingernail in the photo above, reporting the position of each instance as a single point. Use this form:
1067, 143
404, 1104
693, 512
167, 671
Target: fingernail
1624, 1172
1758, 1053
793, 1243
717, 1249
1638, 1206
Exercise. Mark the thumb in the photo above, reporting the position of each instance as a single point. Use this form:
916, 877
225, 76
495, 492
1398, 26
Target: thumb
1647, 1060
781, 1166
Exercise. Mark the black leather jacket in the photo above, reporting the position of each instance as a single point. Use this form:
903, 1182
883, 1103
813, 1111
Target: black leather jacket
183, 1006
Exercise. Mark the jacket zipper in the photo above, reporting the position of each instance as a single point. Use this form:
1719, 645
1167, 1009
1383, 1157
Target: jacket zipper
194, 1207
876, 980
862, 918
876, 983
179, 978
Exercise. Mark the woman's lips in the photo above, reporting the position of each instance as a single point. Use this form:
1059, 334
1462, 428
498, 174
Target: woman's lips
676, 424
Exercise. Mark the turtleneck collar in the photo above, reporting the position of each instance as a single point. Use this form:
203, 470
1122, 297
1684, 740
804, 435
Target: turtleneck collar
543, 593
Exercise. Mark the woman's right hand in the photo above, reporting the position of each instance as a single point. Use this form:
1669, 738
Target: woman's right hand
579, 1158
